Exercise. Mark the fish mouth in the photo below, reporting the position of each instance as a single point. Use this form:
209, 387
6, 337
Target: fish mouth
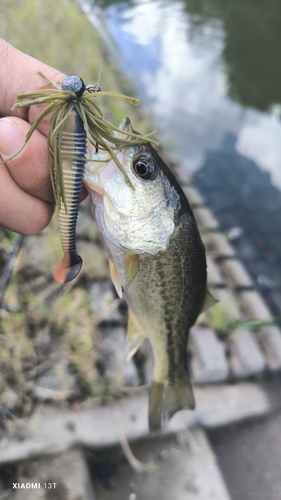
99, 172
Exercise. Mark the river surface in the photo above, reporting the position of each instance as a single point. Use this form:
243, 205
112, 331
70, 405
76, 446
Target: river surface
209, 71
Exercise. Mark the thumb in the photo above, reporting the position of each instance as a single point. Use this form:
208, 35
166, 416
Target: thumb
24, 180
29, 168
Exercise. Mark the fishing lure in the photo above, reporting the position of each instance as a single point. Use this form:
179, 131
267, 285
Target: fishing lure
77, 126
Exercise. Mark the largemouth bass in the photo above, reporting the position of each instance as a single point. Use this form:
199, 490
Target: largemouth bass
157, 263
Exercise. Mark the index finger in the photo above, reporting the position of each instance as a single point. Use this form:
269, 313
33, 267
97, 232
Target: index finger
18, 75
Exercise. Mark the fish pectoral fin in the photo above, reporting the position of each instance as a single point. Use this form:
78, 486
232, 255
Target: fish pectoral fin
131, 267
208, 302
115, 278
166, 398
135, 335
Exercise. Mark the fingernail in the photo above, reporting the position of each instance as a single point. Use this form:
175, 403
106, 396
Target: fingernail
11, 138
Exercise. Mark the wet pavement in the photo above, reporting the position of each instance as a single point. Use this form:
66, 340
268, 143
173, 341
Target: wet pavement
180, 467
249, 456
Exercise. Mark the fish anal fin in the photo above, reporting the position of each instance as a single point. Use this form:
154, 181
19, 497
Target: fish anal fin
135, 335
208, 302
166, 398
115, 278
131, 267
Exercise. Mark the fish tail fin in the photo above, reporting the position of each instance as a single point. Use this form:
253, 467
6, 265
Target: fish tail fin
166, 398
69, 267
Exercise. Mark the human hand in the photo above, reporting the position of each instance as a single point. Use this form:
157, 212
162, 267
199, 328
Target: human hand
26, 197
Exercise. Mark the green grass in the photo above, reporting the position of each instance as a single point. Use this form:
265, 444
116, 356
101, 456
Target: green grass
56, 32
40, 317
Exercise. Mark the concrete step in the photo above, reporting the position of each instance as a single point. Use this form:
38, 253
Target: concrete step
209, 363
181, 467
235, 274
246, 357
269, 336
52, 430
64, 476
215, 278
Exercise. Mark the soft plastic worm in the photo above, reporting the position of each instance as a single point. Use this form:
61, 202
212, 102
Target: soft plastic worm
73, 156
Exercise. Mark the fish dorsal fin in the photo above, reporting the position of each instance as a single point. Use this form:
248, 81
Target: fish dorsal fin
135, 335
115, 278
208, 302
131, 267
126, 126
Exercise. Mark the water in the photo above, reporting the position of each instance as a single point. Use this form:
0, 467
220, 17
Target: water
210, 73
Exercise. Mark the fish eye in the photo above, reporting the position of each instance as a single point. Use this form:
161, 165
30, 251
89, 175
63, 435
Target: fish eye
145, 167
